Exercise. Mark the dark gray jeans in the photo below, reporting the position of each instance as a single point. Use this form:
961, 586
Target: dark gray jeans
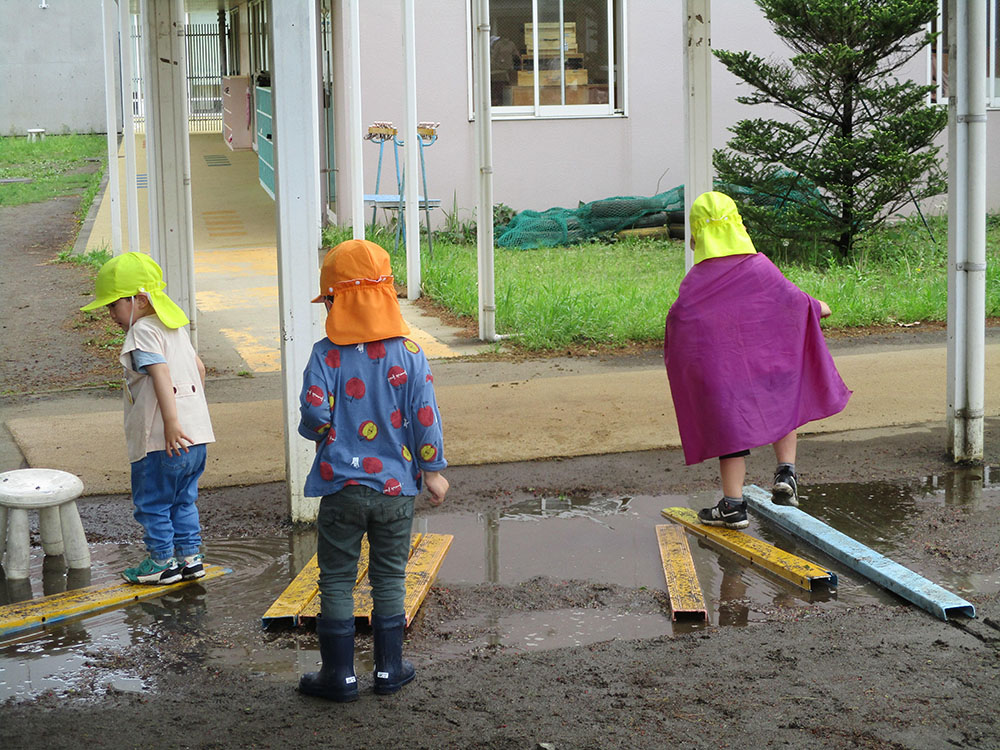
343, 519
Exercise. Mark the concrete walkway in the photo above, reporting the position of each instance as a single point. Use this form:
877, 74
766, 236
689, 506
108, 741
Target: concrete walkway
492, 411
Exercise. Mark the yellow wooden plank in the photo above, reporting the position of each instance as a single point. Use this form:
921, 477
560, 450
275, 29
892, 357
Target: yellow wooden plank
311, 610
363, 590
422, 570
686, 597
296, 595
46, 610
797, 570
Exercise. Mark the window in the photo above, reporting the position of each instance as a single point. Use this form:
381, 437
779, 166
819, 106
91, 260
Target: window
556, 57
937, 55
259, 57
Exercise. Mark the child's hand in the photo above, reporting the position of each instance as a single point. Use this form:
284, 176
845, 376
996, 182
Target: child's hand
436, 485
173, 435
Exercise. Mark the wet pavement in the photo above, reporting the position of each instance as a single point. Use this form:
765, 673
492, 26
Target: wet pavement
607, 539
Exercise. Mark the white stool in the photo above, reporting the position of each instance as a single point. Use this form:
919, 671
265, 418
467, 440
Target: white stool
53, 494
34, 133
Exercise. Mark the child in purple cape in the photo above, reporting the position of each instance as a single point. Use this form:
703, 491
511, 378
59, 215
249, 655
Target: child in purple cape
746, 359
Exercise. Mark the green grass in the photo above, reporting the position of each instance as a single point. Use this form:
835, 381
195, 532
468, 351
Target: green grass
61, 165
619, 294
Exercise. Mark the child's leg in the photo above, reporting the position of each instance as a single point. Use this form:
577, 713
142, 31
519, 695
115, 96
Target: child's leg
389, 540
733, 470
340, 525
153, 497
731, 510
784, 449
186, 469
785, 489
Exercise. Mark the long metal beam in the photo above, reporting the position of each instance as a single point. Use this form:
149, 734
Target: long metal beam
855, 555
686, 597
803, 573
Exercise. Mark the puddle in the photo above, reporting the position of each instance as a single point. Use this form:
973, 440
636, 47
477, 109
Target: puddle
605, 539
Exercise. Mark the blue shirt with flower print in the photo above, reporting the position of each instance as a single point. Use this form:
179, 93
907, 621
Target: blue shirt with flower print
371, 410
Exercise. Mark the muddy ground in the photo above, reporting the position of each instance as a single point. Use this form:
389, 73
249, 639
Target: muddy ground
873, 676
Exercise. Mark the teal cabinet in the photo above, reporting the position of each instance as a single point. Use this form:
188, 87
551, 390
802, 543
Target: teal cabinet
264, 139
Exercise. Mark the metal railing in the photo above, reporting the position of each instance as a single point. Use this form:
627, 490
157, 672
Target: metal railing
204, 78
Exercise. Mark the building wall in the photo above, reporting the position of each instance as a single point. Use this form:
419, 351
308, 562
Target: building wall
539, 164
51, 67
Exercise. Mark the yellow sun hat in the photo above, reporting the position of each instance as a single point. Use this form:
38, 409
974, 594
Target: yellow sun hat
130, 274
358, 275
717, 228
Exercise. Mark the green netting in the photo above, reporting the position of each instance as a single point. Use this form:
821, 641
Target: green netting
565, 226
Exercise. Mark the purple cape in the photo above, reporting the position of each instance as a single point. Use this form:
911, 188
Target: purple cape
746, 358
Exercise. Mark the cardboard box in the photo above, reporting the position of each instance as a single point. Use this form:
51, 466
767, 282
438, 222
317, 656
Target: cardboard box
551, 78
524, 96
548, 36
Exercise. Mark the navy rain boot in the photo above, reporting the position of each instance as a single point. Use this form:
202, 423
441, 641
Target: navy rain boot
392, 671
335, 680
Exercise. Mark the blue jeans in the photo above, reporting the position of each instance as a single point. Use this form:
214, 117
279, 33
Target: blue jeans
164, 491
343, 519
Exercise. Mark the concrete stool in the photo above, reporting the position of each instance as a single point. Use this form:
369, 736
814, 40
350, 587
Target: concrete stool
34, 133
53, 494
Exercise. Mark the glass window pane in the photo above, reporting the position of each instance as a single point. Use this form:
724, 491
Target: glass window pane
510, 81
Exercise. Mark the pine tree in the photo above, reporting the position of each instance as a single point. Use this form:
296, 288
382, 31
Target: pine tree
860, 146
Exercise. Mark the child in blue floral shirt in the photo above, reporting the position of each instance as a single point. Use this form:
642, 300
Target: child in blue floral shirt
368, 403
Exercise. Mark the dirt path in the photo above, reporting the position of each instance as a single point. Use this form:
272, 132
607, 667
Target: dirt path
874, 676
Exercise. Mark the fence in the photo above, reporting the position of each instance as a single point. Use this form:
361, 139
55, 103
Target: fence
204, 78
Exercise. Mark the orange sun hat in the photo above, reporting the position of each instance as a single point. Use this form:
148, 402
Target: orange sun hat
358, 275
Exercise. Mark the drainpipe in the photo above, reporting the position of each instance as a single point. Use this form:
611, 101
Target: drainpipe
974, 107
484, 160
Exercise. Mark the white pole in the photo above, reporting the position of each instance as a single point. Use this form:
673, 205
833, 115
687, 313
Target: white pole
698, 98
297, 193
128, 126
111, 120
355, 129
411, 154
168, 152
484, 161
957, 162
974, 107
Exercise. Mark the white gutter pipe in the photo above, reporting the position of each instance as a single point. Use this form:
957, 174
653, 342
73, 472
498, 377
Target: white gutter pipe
957, 161
484, 160
111, 120
974, 114
411, 154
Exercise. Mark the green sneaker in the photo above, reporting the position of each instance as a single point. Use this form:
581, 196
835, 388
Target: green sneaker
149, 572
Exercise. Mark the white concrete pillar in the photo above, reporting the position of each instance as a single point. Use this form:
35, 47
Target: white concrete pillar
298, 202
355, 127
111, 123
171, 232
411, 152
698, 102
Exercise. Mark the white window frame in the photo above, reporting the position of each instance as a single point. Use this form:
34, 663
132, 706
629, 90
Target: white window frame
617, 75
935, 63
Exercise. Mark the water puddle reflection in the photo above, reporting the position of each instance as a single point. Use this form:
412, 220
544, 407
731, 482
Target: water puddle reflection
604, 539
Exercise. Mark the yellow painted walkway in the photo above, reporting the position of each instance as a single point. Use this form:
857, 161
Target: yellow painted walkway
236, 269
